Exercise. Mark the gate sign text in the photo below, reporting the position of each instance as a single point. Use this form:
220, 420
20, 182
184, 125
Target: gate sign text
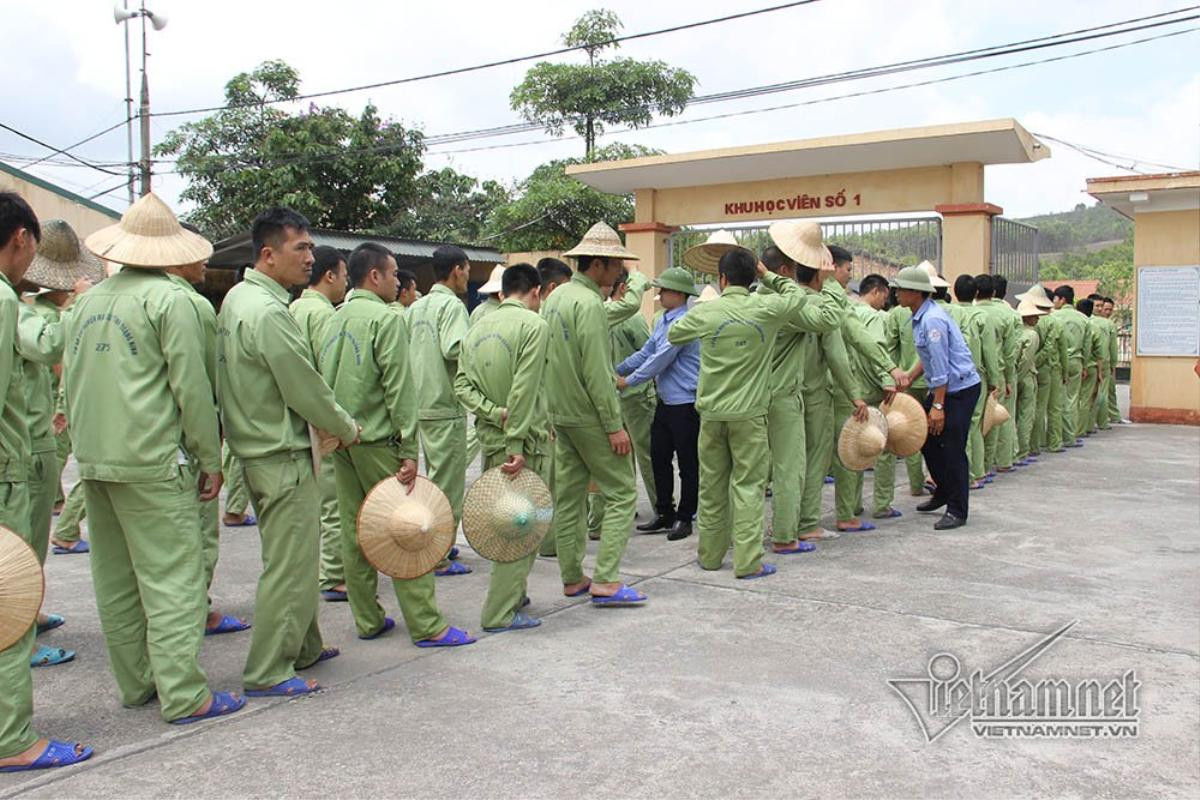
799, 202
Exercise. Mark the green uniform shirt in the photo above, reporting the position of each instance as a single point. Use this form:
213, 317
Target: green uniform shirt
625, 339
437, 325
900, 345
797, 346
502, 366
365, 358
40, 343
51, 313
1074, 327
137, 390
266, 381
312, 311
997, 342
1027, 351
208, 323
1047, 354
1099, 332
14, 427
483, 309
863, 332
1114, 344
979, 331
737, 334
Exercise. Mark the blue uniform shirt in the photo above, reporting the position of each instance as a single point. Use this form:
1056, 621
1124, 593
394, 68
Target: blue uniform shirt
677, 368
943, 351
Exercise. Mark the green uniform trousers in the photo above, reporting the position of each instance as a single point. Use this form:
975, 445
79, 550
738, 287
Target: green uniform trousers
582, 455
549, 546
237, 499
210, 532
444, 442
357, 470
975, 441
67, 529
734, 459
1070, 409
638, 413
1086, 410
16, 683
285, 636
43, 483
1027, 399
1006, 434
509, 582
1114, 407
1056, 411
62, 448
331, 573
818, 454
147, 569
848, 483
785, 438
1041, 433
915, 464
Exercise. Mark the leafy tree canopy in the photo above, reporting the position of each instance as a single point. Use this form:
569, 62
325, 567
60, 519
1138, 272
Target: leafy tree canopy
449, 207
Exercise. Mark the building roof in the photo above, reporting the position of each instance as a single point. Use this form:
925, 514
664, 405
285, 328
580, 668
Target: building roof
1140, 194
1000, 141
58, 190
236, 250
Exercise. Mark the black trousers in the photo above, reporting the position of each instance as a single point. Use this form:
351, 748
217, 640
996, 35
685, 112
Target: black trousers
675, 432
946, 453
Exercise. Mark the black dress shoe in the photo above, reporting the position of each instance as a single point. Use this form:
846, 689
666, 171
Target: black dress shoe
948, 522
659, 523
680, 530
932, 504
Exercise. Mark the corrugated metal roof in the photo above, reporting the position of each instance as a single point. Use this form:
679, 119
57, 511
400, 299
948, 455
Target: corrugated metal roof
235, 251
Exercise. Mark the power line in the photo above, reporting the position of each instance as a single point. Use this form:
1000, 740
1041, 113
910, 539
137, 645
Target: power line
70, 147
1106, 158
51, 147
490, 64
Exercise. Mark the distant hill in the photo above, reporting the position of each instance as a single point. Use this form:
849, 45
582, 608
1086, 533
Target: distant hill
1077, 229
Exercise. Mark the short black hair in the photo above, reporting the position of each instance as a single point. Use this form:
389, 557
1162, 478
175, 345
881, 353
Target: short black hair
366, 257
964, 288
552, 272
270, 228
840, 254
1094, 296
940, 293
405, 278
1109, 300
773, 258
325, 259
446, 258
1000, 286
985, 286
1066, 292
871, 283
15, 214
1086, 306
738, 266
520, 278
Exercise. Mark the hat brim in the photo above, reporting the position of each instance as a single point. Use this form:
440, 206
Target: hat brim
901, 283
150, 252
706, 257
908, 426
22, 587
600, 251
61, 276
854, 432
692, 292
506, 517
376, 529
491, 287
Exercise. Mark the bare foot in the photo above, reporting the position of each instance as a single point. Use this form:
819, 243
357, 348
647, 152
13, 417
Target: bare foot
32, 754
233, 519
605, 589
849, 524
572, 589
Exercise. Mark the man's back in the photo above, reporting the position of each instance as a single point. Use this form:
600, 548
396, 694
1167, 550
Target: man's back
14, 430
312, 311
580, 389
1074, 327
437, 324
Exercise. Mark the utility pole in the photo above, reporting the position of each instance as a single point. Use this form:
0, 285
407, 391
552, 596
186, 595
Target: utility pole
145, 112
128, 109
122, 14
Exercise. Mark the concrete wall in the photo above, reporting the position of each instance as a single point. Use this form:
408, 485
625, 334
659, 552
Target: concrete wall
1164, 388
48, 204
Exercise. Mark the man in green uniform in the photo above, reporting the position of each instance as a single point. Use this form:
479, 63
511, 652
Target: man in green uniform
903, 352
20, 747
1046, 364
981, 341
490, 292
1027, 378
500, 381
365, 359
1010, 324
1114, 355
140, 402
737, 340
1096, 368
554, 273
270, 393
312, 310
1005, 330
591, 443
1075, 339
437, 325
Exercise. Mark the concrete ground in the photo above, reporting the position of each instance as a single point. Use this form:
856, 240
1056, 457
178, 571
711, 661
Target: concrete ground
717, 687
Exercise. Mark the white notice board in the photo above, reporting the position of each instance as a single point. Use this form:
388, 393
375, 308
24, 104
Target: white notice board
1168, 311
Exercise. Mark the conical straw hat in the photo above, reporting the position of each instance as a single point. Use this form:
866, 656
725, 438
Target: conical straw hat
1028, 308
405, 535
707, 256
149, 235
861, 443
708, 294
61, 260
994, 413
601, 241
493, 284
801, 242
935, 280
505, 519
21, 588
907, 425
1037, 295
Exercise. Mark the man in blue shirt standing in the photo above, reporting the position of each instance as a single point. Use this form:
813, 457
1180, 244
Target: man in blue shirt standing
954, 387
676, 426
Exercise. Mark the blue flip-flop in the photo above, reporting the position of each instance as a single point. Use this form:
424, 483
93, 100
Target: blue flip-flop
891, 513
989, 479
388, 624
625, 596
453, 568
453, 554
56, 754
764, 571
80, 546
454, 638
334, 596
520, 621
52, 621
829, 479
227, 624
862, 526
222, 703
326, 654
797, 547
50, 656
292, 687
249, 521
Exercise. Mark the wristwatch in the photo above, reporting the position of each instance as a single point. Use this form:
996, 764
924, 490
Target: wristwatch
939, 406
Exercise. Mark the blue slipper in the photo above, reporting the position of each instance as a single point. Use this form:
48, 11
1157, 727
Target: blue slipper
453, 638
521, 621
248, 521
292, 687
625, 596
56, 754
891, 513
796, 547
453, 554
764, 571
222, 703
50, 656
334, 595
78, 547
388, 624
52, 621
580, 591
227, 624
829, 479
862, 526
454, 568
326, 654
989, 479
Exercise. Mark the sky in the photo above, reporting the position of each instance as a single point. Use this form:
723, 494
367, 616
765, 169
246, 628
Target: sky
66, 77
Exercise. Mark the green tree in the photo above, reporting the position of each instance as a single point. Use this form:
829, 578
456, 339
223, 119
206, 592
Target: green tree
341, 171
620, 91
1112, 266
449, 207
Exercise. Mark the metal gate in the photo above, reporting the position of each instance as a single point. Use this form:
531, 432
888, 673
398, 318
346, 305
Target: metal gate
1015, 253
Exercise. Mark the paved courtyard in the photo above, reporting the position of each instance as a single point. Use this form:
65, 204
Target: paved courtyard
716, 688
